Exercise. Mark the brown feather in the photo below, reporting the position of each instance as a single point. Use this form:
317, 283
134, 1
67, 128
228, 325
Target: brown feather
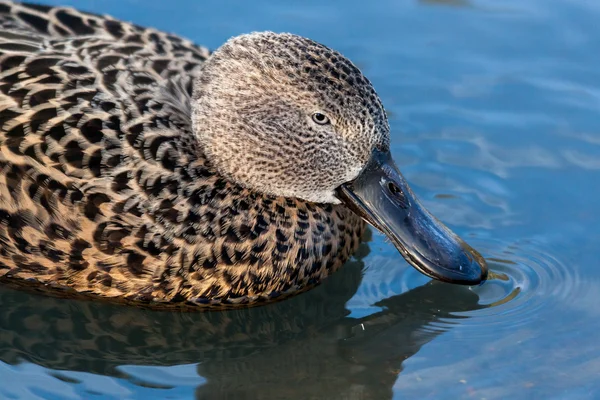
105, 190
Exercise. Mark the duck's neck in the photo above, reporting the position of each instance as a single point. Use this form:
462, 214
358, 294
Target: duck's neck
246, 246
238, 244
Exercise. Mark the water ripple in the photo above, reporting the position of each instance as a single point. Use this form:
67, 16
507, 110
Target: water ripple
526, 282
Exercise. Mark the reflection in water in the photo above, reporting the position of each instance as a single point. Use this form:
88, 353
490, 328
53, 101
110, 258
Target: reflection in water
303, 347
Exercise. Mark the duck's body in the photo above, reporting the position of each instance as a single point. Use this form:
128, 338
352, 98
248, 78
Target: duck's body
131, 170
104, 188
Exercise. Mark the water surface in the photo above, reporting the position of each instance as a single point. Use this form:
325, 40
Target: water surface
494, 111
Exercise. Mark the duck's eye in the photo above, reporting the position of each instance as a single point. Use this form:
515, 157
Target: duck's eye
320, 118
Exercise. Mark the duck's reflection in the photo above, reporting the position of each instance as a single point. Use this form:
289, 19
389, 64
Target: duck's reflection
304, 347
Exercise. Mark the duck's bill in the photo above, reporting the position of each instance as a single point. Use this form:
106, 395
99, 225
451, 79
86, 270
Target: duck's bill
382, 197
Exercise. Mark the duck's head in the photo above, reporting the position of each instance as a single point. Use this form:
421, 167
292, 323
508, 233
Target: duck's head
286, 116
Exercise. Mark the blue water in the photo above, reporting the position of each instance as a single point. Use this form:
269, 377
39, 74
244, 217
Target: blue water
494, 110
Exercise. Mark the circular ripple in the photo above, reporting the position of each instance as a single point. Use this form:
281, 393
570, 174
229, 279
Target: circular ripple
525, 282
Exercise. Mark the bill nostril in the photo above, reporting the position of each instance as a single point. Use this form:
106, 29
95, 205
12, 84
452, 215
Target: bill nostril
397, 194
394, 189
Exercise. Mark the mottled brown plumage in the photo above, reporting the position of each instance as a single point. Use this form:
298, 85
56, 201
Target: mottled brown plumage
136, 166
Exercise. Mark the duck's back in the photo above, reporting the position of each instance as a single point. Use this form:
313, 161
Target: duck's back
89, 153
104, 189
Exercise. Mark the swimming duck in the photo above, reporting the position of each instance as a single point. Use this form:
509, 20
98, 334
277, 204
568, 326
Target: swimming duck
139, 167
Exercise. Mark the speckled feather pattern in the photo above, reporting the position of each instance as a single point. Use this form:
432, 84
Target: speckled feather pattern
273, 83
105, 188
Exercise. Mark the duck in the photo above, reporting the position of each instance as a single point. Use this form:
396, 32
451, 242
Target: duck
137, 166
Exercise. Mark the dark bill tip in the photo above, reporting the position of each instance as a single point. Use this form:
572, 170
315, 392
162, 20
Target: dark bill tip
382, 197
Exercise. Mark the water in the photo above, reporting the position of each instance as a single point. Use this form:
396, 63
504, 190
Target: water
494, 111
